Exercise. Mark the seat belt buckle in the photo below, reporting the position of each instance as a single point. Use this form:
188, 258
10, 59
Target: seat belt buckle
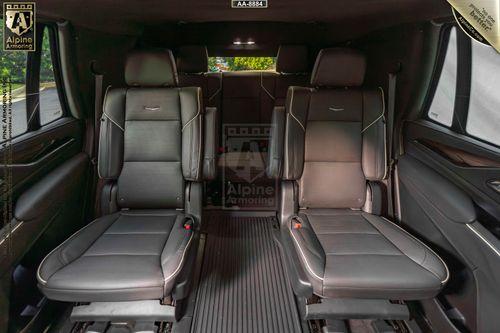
188, 223
296, 224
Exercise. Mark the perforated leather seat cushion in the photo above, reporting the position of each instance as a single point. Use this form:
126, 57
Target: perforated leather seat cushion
130, 255
356, 254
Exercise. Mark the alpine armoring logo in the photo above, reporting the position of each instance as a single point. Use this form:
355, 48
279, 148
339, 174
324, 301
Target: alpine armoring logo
245, 182
19, 26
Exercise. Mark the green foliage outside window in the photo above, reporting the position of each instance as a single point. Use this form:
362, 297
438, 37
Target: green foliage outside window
46, 69
225, 64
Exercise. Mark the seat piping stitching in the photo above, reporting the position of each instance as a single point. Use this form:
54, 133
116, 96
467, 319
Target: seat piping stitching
180, 262
425, 254
218, 90
425, 245
113, 121
67, 240
304, 257
291, 111
382, 115
264, 88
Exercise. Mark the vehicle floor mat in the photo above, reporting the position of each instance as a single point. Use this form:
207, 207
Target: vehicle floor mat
243, 285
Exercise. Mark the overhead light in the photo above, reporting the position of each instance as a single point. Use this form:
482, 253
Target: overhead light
248, 42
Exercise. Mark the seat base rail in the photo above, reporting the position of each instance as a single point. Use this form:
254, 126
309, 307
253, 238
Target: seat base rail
346, 308
150, 311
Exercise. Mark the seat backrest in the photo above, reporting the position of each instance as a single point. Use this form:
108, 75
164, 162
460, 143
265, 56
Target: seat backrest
151, 134
192, 65
335, 133
292, 65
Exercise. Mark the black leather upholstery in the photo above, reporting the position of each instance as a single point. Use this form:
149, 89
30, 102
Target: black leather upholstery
211, 143
192, 65
292, 65
339, 67
334, 143
129, 255
275, 156
152, 68
354, 254
151, 145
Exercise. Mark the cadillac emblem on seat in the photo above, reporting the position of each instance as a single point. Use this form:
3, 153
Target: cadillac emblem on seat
19, 28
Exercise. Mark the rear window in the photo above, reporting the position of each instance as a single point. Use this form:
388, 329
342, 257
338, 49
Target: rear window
234, 64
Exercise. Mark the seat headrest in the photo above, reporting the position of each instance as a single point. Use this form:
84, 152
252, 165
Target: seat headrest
192, 59
339, 67
150, 68
292, 59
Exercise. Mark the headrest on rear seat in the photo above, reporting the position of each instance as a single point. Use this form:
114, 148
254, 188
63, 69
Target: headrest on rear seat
192, 59
339, 67
150, 68
292, 59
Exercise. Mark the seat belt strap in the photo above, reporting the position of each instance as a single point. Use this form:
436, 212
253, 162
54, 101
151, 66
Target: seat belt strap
97, 113
390, 115
96, 183
391, 103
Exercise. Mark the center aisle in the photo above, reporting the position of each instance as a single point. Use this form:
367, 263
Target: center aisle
243, 286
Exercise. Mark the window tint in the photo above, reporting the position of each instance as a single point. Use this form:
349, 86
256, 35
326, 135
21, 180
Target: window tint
232, 64
441, 108
50, 106
483, 120
13, 78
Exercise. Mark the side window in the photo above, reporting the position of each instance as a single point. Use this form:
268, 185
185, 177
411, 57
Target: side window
50, 105
13, 78
483, 120
443, 103
39, 99
472, 68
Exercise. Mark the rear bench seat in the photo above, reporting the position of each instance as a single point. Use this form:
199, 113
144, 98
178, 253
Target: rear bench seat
192, 65
292, 65
243, 97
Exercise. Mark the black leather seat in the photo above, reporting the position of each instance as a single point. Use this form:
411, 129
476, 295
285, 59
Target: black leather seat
151, 146
192, 65
334, 148
292, 65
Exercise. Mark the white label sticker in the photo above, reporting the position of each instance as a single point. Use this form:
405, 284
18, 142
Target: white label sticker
251, 4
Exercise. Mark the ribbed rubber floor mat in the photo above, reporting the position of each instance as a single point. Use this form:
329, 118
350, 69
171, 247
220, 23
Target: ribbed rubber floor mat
243, 285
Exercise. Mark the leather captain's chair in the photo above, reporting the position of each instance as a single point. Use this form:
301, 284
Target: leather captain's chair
151, 147
333, 149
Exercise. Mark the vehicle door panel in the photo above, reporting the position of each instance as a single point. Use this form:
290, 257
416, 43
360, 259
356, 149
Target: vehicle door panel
441, 163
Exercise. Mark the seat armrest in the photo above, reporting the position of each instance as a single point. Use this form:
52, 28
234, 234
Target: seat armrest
211, 142
275, 160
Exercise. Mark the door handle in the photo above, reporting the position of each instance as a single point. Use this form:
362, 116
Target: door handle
495, 185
